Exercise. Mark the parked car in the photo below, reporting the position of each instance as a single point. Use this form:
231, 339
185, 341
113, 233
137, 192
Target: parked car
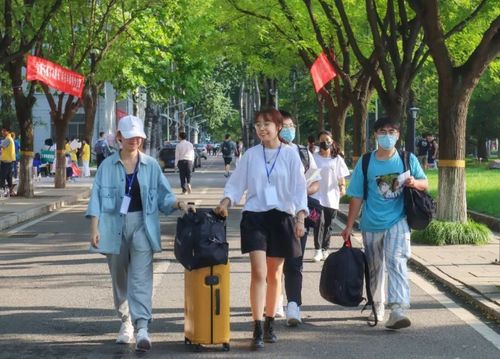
166, 158
202, 149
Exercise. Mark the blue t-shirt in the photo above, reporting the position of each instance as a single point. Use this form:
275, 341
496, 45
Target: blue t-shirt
384, 205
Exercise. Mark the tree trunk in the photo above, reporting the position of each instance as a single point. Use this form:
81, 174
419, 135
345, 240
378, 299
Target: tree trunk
24, 105
60, 129
336, 118
90, 109
453, 104
360, 116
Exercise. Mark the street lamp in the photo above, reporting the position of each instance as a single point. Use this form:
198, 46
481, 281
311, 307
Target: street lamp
410, 132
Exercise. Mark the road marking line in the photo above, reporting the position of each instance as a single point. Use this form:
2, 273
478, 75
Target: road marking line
462, 313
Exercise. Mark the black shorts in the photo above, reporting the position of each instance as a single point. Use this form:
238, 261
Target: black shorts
271, 231
227, 160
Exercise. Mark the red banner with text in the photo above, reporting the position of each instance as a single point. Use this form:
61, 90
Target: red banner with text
55, 76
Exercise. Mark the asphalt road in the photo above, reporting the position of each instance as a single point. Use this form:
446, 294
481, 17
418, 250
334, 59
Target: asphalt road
56, 301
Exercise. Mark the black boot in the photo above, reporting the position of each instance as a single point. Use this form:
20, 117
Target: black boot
257, 341
269, 336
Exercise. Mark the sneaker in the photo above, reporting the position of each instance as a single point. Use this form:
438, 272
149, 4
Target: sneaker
189, 189
280, 312
143, 342
325, 253
397, 319
379, 309
126, 334
318, 255
293, 314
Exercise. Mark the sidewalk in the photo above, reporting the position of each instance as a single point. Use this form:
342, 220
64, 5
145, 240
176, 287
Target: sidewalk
466, 270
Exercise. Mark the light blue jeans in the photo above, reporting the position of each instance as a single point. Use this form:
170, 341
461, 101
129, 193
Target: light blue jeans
389, 250
132, 273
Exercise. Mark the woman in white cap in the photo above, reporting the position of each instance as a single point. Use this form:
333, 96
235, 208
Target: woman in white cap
129, 191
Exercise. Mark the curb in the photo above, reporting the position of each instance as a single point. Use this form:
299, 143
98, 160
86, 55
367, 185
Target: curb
13, 219
460, 289
485, 305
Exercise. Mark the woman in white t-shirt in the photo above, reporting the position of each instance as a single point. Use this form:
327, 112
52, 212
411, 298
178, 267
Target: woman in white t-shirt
333, 171
272, 222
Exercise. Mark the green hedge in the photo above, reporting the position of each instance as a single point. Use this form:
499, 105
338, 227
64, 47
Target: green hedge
440, 233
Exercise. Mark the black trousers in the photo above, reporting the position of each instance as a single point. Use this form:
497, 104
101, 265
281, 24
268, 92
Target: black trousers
6, 174
322, 231
184, 167
292, 270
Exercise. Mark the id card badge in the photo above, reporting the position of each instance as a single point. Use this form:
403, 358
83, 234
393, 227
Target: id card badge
271, 196
125, 205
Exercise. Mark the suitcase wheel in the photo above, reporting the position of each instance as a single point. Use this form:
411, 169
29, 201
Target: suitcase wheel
198, 348
226, 347
187, 341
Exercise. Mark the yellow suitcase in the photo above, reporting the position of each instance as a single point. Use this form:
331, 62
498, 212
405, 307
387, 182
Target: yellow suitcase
206, 306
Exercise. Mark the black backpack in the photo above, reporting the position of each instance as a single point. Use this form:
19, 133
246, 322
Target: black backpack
342, 278
419, 205
304, 157
200, 240
226, 149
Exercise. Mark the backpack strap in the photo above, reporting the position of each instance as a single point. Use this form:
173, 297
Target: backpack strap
405, 157
304, 157
365, 160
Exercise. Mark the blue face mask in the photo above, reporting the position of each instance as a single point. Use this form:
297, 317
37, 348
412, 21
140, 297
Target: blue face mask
387, 142
287, 134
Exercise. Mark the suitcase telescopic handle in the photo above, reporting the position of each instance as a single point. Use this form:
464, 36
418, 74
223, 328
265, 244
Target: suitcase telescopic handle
217, 301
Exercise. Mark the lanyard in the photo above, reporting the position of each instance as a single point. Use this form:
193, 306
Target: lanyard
269, 171
131, 181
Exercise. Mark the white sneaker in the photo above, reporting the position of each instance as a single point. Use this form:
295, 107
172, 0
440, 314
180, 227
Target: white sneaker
143, 342
126, 334
397, 319
318, 255
189, 189
293, 314
326, 253
379, 309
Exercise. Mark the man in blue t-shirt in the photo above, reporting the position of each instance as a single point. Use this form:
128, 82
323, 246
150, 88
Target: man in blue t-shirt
386, 235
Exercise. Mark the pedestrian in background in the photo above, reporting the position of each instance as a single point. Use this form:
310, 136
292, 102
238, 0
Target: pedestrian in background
15, 164
227, 149
101, 149
184, 158
423, 150
272, 222
311, 145
238, 152
129, 191
7, 157
333, 171
293, 266
385, 231
432, 153
86, 157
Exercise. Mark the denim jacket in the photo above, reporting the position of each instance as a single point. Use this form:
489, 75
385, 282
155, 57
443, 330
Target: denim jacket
107, 194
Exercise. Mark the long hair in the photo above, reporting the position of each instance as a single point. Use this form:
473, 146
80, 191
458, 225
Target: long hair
335, 149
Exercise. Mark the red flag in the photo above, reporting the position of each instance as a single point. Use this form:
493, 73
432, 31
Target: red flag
322, 72
120, 113
55, 76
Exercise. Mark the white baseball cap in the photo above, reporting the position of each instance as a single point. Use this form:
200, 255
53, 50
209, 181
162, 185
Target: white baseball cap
131, 126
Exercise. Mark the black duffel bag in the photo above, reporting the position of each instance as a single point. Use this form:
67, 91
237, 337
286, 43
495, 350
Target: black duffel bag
342, 278
200, 239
